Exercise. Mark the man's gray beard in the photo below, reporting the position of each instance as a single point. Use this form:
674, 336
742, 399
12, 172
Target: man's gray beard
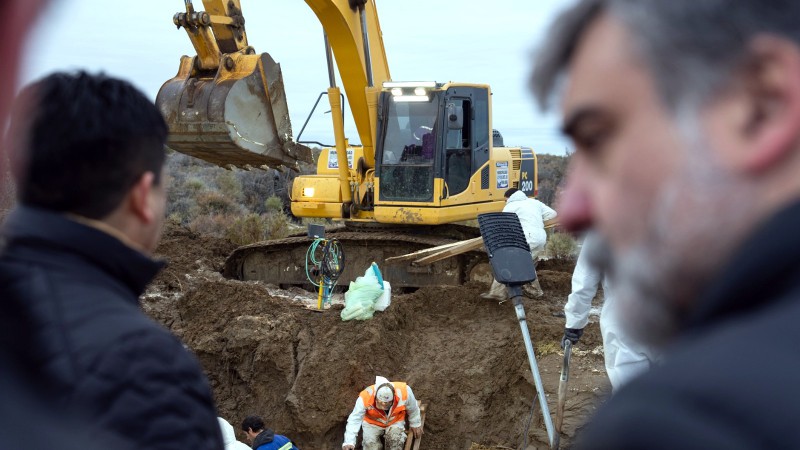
694, 224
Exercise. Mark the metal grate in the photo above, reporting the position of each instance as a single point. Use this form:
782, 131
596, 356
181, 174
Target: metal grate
509, 254
516, 158
485, 178
500, 230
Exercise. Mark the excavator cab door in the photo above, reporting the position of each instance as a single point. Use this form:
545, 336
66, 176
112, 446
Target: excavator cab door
408, 144
466, 143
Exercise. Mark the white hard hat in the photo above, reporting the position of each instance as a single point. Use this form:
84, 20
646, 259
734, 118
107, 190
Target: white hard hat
385, 394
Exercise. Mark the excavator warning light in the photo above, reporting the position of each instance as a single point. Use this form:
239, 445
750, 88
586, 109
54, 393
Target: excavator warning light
308, 192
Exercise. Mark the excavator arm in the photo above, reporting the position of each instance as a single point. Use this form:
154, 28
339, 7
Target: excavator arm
354, 34
227, 104
213, 32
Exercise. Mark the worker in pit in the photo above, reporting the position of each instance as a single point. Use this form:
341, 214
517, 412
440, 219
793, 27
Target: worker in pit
625, 358
381, 410
532, 213
262, 438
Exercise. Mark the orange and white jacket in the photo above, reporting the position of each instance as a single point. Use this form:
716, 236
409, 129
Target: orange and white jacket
365, 411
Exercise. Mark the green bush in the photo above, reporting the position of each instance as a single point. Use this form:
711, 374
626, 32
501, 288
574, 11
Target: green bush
193, 186
561, 246
274, 204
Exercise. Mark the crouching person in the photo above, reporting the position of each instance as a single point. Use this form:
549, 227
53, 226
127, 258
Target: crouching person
262, 438
381, 410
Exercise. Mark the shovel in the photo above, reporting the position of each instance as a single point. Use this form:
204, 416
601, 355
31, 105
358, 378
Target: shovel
510, 258
562, 386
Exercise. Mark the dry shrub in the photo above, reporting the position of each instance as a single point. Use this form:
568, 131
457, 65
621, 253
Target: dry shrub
276, 226
306, 221
229, 185
561, 246
258, 227
213, 224
247, 229
212, 203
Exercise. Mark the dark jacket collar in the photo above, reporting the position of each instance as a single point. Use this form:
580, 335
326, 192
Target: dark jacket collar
265, 437
48, 231
766, 266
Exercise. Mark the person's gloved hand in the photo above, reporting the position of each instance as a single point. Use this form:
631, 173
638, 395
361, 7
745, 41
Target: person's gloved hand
572, 335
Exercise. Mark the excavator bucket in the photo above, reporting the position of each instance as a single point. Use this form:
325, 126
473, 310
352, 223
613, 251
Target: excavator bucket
236, 115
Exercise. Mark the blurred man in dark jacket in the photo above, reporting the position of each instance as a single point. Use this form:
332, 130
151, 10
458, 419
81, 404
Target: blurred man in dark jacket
87, 153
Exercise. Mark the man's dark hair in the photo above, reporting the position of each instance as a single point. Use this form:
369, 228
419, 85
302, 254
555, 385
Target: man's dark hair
510, 192
693, 49
79, 142
254, 423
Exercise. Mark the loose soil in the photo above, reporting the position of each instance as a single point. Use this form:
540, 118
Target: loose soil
266, 353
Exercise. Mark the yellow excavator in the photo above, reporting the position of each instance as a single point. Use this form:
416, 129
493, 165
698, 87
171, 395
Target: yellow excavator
428, 156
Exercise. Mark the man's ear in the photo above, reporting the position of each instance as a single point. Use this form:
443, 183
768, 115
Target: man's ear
139, 198
772, 82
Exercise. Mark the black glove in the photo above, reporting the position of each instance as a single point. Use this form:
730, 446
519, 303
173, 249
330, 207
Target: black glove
572, 335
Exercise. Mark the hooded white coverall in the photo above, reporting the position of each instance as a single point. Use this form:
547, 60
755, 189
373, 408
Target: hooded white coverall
532, 213
229, 436
395, 433
624, 358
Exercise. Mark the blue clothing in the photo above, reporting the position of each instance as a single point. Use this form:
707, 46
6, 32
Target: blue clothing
268, 440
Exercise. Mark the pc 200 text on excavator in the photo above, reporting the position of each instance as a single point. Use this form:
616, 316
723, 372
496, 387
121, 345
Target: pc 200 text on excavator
428, 156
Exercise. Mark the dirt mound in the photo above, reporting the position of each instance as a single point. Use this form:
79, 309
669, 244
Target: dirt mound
302, 370
187, 252
188, 255
556, 284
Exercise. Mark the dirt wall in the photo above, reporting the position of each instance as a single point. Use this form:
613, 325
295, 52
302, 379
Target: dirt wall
302, 370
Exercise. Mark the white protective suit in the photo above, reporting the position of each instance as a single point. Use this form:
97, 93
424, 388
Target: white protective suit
532, 213
624, 358
356, 418
229, 436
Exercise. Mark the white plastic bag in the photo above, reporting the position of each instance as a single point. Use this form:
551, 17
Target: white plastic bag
385, 299
359, 300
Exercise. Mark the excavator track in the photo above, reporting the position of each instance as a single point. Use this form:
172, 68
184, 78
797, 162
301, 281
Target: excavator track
282, 261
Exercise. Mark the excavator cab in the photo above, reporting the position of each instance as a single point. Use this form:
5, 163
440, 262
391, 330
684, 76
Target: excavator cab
227, 104
428, 131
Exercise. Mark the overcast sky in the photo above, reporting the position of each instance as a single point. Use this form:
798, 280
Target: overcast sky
440, 40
